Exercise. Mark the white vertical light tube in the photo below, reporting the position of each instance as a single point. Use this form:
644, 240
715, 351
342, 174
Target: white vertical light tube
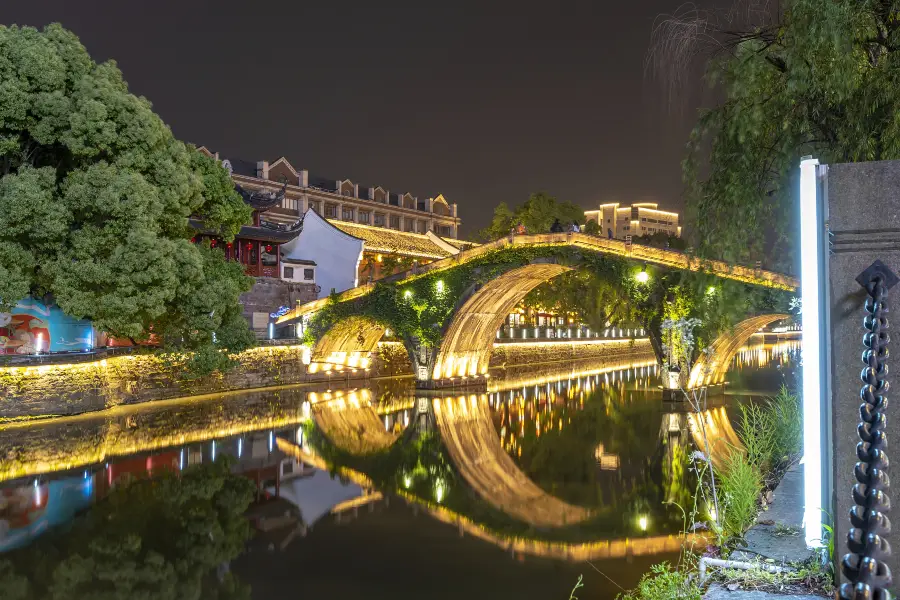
811, 287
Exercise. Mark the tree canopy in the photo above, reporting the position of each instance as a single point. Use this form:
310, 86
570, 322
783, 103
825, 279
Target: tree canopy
537, 214
591, 297
95, 195
661, 239
818, 78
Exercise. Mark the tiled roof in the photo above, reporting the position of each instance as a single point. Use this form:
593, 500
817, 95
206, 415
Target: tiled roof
461, 244
379, 239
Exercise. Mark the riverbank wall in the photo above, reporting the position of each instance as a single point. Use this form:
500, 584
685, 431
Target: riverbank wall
59, 389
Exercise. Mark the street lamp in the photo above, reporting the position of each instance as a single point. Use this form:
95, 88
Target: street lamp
643, 276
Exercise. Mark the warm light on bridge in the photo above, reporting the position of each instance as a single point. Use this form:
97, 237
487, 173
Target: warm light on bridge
644, 254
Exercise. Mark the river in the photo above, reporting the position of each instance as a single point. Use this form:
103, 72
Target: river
550, 473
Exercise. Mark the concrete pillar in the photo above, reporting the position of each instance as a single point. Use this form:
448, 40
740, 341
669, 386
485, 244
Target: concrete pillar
356, 190
860, 223
262, 169
304, 178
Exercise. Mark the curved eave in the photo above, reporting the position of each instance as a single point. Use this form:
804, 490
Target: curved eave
252, 232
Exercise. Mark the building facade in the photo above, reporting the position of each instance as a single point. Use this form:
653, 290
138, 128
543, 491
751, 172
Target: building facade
641, 218
309, 238
341, 200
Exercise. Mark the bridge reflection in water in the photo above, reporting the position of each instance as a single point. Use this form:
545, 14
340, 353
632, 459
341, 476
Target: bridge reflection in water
483, 436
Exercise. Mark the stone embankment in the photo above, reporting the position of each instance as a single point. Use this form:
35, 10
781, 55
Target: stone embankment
53, 388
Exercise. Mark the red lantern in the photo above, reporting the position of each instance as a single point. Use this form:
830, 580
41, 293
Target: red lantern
212, 243
269, 248
249, 245
228, 245
193, 240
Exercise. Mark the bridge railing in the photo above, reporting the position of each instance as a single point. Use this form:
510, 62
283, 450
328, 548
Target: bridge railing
572, 332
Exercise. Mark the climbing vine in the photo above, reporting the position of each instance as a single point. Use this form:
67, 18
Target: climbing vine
421, 307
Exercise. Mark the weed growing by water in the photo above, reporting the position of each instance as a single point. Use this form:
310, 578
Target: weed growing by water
787, 425
758, 435
740, 481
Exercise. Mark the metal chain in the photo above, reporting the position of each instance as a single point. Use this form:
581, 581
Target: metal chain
865, 567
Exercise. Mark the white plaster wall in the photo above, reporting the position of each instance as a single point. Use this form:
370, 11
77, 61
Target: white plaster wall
336, 254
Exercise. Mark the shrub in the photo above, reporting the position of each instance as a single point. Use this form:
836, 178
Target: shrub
663, 582
740, 482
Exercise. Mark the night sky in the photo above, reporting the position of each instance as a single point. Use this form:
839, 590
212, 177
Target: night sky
482, 104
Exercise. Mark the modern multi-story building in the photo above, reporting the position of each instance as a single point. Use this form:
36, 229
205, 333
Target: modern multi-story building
641, 218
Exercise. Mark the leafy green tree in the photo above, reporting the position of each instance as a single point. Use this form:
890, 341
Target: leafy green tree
158, 539
593, 298
501, 225
816, 78
592, 227
661, 239
537, 214
95, 195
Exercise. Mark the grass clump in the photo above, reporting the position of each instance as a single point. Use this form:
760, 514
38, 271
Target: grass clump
772, 436
772, 432
740, 481
758, 435
664, 582
787, 425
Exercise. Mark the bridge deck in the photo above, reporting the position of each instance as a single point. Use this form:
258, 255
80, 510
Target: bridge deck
637, 252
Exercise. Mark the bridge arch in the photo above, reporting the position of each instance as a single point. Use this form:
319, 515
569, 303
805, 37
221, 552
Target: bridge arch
349, 343
466, 347
710, 369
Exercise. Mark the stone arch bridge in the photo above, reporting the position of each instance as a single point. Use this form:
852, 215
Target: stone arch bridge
468, 335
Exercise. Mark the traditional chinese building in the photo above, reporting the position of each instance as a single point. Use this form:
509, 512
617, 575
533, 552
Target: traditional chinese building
311, 236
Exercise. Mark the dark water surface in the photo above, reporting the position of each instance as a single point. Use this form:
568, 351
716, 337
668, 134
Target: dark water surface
511, 492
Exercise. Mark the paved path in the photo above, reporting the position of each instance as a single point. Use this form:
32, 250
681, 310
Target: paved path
778, 536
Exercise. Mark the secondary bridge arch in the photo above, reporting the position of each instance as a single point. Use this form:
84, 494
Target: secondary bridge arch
711, 367
349, 343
